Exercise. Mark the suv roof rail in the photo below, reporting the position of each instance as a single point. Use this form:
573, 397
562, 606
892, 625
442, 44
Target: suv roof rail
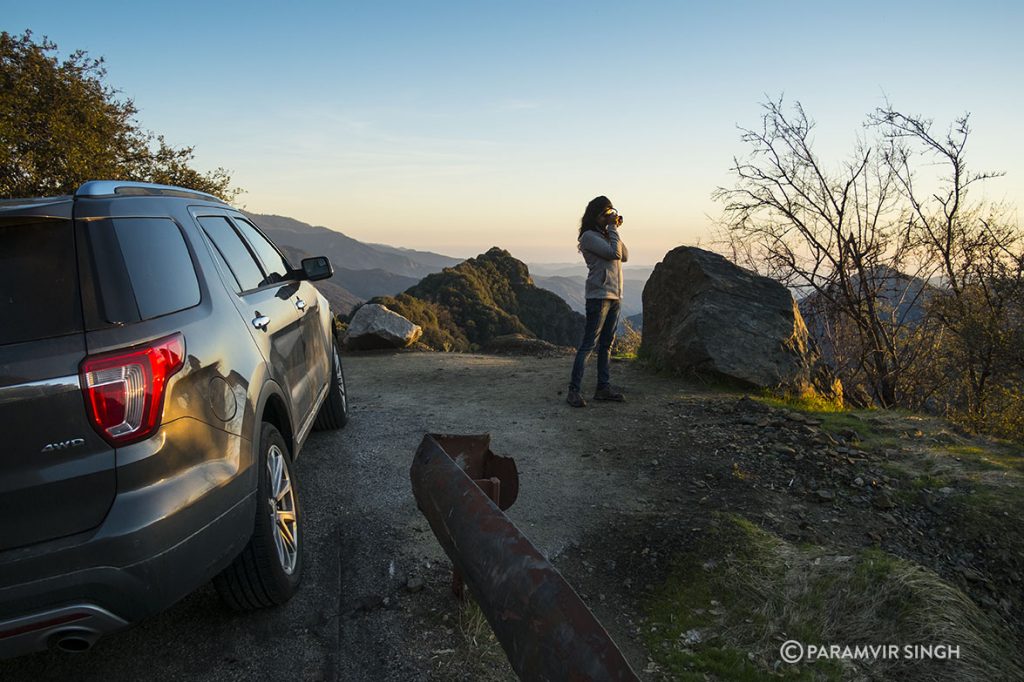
100, 188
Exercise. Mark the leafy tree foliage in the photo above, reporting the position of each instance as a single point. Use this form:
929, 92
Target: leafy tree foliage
61, 125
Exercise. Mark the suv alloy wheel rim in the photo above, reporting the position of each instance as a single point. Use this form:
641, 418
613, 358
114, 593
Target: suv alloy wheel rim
282, 510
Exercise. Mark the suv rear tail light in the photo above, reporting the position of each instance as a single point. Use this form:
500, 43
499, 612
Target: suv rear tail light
124, 389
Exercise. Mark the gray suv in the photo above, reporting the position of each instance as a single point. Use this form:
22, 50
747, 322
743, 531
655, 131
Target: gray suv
161, 365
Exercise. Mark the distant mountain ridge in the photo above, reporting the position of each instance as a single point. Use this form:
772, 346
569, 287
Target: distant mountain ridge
364, 270
466, 306
572, 289
361, 270
346, 252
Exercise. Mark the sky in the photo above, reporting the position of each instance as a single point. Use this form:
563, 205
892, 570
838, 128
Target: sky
457, 126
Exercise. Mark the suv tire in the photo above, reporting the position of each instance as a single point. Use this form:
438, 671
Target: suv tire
269, 569
334, 412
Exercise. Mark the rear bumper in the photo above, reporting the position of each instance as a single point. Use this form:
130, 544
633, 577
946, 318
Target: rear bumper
159, 542
75, 627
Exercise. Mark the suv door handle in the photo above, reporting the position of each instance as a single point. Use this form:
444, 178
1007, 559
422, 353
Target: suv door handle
261, 321
300, 304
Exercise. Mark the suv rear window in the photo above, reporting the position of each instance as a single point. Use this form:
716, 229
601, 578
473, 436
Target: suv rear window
159, 265
39, 293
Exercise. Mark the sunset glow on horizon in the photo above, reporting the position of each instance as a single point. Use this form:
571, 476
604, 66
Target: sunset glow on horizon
453, 127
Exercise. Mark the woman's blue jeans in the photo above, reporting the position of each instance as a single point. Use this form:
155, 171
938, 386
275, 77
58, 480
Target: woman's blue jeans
602, 319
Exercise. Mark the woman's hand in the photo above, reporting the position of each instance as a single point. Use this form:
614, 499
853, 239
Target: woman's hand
611, 218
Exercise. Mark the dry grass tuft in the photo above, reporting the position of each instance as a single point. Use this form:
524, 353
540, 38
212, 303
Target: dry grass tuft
726, 609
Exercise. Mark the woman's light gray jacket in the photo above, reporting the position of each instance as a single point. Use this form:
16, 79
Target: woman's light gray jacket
604, 256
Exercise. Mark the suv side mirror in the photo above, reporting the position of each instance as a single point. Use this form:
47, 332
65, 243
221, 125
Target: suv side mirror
317, 268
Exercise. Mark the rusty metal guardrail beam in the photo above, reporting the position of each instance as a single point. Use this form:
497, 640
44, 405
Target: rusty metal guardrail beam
546, 630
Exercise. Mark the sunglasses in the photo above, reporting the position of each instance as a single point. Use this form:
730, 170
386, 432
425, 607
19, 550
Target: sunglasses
610, 211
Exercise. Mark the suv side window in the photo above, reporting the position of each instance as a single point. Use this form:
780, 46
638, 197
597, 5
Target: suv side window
159, 265
240, 260
274, 264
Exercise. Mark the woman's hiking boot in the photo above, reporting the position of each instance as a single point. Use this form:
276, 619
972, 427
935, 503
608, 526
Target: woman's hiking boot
575, 399
609, 393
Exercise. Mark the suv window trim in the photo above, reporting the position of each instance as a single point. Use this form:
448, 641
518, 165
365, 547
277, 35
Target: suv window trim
223, 259
291, 268
206, 212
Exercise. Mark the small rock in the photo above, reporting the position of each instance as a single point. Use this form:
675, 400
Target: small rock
849, 435
858, 482
414, 584
882, 501
825, 495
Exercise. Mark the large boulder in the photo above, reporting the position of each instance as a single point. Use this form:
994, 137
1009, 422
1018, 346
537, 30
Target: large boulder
375, 327
705, 315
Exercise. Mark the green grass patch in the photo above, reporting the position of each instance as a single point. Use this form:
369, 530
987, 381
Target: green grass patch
805, 402
996, 456
930, 482
729, 602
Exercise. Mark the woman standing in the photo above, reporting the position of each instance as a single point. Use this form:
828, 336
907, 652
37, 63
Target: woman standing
605, 253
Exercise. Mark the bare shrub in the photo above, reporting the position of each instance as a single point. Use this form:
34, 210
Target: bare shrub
911, 288
627, 344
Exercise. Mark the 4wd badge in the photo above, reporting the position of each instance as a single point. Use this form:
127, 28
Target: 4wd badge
64, 445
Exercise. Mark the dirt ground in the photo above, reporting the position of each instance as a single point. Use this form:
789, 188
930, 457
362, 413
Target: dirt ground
563, 456
612, 494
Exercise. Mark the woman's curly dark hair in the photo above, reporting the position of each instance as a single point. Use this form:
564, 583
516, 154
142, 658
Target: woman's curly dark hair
594, 210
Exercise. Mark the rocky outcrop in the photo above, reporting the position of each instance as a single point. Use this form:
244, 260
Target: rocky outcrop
375, 327
466, 306
706, 315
